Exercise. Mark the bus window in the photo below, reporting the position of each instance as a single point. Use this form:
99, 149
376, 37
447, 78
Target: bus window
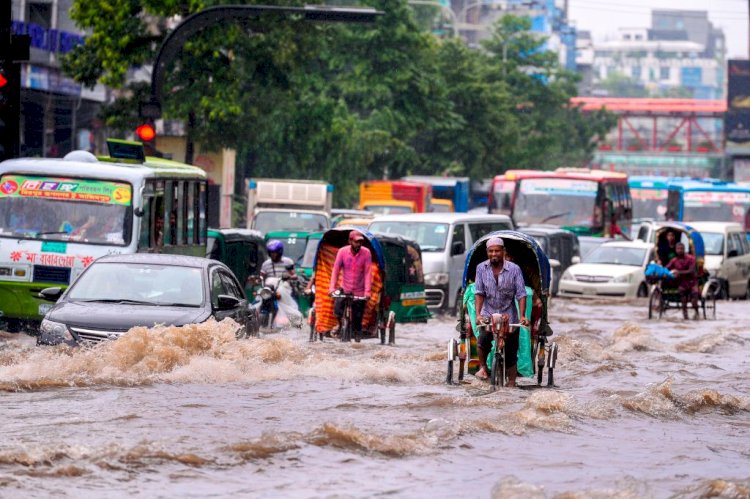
190, 217
202, 229
157, 216
144, 239
181, 196
170, 213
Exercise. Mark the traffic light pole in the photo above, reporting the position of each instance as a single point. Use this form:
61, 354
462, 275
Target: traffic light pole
13, 49
172, 44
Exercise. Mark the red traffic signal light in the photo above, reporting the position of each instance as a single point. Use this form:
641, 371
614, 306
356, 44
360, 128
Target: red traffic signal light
146, 132
3, 81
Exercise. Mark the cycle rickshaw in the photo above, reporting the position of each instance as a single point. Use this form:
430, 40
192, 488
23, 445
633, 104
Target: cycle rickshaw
377, 318
664, 294
534, 264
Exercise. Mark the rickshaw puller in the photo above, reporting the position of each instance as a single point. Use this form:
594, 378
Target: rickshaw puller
355, 262
498, 284
684, 270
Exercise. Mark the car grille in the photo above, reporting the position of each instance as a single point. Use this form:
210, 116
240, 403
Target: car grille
593, 278
91, 336
434, 297
45, 273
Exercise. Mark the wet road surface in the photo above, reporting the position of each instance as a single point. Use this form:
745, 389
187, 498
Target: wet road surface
643, 409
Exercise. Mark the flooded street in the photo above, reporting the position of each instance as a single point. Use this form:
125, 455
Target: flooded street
643, 409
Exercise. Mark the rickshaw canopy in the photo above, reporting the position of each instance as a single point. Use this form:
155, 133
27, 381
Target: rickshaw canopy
525, 252
697, 248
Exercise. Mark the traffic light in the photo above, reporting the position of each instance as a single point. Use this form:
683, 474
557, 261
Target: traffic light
146, 133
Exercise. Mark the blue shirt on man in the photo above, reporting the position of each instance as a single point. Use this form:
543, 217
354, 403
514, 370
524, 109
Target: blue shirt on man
499, 293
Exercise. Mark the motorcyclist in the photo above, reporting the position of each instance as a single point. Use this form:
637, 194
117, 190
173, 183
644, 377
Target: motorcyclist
277, 264
355, 263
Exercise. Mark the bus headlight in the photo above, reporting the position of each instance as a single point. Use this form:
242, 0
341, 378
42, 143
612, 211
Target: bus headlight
5, 271
56, 330
436, 279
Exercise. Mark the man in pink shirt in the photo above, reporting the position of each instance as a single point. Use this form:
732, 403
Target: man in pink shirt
354, 262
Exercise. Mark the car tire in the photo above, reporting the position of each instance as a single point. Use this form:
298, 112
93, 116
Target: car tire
642, 291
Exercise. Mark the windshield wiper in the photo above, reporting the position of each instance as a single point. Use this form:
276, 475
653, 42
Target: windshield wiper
120, 300
51, 233
557, 215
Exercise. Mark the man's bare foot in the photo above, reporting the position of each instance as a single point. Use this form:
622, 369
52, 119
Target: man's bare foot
482, 373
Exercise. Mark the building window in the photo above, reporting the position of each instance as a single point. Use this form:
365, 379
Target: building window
626, 37
635, 72
639, 37
39, 13
664, 73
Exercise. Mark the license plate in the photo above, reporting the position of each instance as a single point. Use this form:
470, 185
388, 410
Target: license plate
44, 308
589, 291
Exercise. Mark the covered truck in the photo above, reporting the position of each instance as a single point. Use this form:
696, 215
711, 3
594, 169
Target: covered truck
299, 206
449, 189
394, 196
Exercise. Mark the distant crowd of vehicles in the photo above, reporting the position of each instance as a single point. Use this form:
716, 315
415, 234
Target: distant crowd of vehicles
58, 216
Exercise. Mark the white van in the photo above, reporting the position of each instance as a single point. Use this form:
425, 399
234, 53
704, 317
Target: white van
727, 256
444, 239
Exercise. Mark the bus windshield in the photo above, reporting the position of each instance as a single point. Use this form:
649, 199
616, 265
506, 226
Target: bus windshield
649, 203
502, 194
57, 209
558, 201
716, 206
293, 221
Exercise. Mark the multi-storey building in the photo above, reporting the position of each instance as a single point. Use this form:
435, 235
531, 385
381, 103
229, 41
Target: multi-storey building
681, 55
57, 114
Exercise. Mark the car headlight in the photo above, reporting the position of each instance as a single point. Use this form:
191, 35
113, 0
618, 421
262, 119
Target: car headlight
436, 279
55, 329
622, 278
266, 293
567, 276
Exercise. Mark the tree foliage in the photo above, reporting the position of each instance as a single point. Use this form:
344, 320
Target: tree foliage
344, 102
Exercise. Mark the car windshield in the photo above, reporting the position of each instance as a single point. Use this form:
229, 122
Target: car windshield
64, 221
267, 221
588, 244
617, 255
139, 282
649, 203
713, 242
388, 209
429, 236
557, 201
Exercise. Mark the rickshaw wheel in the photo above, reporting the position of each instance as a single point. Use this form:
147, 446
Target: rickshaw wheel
655, 303
392, 334
713, 305
381, 330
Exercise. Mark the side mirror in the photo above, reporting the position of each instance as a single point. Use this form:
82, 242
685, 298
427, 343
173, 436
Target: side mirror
227, 302
138, 211
51, 294
555, 264
457, 248
575, 259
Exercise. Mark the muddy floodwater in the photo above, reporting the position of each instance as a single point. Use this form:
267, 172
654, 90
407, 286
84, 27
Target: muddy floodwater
643, 409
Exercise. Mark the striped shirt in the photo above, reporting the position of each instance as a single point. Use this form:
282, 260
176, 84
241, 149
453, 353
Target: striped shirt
499, 293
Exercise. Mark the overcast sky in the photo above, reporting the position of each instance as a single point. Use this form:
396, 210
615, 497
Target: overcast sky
603, 17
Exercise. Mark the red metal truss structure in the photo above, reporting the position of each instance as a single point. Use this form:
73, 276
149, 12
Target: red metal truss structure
667, 121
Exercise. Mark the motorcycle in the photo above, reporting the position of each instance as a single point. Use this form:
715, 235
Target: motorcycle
277, 293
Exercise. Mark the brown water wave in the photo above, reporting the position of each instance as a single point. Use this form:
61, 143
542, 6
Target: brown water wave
202, 353
662, 401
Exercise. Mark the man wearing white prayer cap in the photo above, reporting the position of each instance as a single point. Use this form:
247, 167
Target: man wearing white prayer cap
498, 284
